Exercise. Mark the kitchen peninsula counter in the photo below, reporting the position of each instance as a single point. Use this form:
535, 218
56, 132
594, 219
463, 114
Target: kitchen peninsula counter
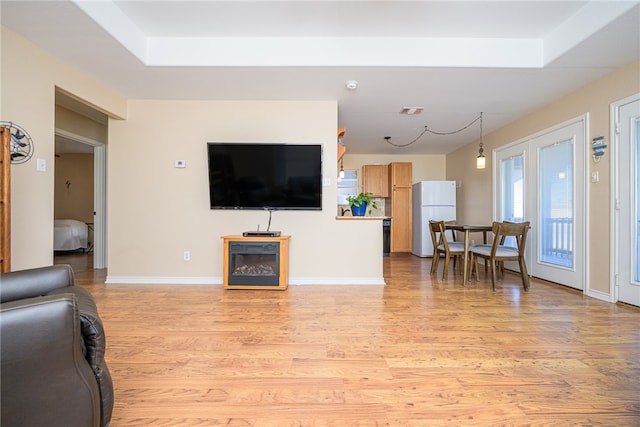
362, 218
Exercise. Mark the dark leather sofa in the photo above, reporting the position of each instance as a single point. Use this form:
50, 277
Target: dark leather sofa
52, 347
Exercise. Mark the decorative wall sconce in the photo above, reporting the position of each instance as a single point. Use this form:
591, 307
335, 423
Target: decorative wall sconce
598, 146
20, 145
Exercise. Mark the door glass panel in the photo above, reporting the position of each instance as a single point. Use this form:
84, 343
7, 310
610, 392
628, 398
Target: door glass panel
512, 189
556, 204
512, 207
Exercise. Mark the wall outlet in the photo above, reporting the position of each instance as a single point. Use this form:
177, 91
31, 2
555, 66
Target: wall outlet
180, 164
186, 256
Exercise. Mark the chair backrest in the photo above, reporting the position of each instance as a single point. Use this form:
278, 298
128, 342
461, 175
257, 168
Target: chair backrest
438, 236
434, 229
452, 233
519, 230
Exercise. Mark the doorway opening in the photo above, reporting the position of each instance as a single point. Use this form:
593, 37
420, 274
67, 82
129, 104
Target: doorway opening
80, 182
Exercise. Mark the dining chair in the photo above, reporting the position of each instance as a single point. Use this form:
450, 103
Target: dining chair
443, 246
497, 252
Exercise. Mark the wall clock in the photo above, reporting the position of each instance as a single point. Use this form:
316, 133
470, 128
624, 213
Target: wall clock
21, 144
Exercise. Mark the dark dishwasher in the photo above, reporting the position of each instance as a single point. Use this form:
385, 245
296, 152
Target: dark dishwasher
386, 236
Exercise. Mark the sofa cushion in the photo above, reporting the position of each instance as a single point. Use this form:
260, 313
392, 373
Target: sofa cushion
34, 282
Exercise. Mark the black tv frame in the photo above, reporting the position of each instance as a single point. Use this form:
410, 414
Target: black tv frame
291, 178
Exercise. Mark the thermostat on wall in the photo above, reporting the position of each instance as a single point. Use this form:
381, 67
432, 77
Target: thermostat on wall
180, 164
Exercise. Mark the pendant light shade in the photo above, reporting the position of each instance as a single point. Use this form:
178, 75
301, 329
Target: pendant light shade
480, 161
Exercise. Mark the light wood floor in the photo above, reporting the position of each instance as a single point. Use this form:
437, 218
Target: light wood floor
416, 352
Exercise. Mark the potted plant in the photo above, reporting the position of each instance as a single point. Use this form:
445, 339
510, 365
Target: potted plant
359, 203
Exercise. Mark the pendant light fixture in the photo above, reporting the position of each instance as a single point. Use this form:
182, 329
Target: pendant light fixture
341, 175
481, 160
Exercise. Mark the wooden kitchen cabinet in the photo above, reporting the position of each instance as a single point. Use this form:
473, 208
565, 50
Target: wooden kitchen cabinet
400, 179
375, 180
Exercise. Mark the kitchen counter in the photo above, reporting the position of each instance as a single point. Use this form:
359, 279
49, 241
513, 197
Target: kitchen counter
360, 218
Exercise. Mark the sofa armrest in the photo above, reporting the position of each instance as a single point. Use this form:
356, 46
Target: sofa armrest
34, 282
45, 378
93, 345
93, 335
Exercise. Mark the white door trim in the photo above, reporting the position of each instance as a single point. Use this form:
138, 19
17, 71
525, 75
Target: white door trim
99, 195
614, 165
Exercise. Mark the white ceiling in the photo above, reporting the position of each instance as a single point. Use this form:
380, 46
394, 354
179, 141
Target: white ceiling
454, 58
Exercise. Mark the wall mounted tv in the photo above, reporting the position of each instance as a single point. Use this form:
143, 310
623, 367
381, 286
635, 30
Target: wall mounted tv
265, 176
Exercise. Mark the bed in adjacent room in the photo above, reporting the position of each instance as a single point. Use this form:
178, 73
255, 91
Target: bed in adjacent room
70, 235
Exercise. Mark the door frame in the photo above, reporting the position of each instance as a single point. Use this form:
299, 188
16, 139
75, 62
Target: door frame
530, 164
99, 195
614, 166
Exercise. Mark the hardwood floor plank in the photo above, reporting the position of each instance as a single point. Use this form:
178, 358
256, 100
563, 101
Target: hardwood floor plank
417, 352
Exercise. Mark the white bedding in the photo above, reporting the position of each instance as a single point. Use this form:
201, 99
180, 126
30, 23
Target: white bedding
69, 235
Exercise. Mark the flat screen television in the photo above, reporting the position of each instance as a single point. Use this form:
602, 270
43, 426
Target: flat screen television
265, 176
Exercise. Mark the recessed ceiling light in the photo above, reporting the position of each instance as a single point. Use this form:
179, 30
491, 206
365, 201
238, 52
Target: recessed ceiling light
351, 84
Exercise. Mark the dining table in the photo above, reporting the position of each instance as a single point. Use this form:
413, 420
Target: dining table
467, 229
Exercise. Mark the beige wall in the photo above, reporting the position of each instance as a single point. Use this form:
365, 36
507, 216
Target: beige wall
157, 211
28, 99
475, 194
78, 124
74, 187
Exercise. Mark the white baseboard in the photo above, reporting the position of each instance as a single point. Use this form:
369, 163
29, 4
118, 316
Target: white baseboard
150, 280
599, 295
336, 281
135, 280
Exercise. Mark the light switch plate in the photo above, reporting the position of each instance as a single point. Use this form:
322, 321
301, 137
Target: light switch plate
41, 165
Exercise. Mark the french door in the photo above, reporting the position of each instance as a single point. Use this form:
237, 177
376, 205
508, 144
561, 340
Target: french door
541, 179
626, 118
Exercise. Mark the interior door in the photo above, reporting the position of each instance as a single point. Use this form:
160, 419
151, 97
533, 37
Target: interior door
627, 249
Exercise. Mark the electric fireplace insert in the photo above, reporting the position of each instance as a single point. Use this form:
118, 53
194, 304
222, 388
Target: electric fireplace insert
255, 262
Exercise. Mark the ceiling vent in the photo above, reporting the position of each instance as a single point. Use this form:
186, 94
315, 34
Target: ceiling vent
410, 111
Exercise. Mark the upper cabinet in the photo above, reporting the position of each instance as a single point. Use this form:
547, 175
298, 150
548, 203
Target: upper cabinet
400, 175
375, 180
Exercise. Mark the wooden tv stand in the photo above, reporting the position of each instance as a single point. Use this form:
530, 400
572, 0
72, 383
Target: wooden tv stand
267, 265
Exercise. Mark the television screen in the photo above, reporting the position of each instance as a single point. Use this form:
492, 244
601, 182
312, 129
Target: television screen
265, 176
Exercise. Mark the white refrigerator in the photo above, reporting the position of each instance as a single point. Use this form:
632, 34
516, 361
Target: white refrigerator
432, 200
